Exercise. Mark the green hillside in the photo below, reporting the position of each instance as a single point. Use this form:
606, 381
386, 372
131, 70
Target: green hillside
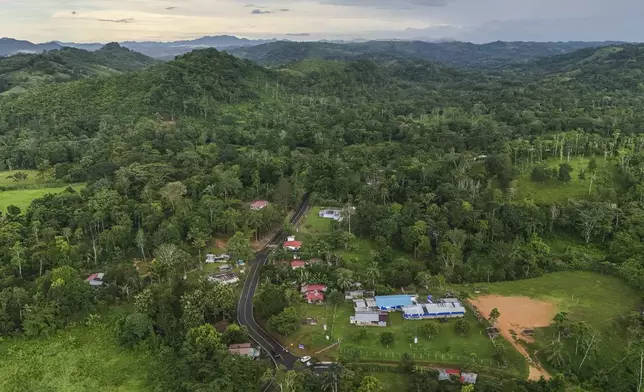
26, 71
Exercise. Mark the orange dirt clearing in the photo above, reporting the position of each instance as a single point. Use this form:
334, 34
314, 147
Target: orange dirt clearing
518, 313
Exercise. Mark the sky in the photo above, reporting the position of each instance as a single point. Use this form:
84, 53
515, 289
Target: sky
468, 20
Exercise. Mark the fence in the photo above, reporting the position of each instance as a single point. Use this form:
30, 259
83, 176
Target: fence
421, 355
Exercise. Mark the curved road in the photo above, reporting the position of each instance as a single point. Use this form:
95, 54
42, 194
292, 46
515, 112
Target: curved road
275, 350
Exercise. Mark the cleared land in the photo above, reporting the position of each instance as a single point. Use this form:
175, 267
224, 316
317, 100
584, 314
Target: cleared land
517, 314
585, 296
555, 190
79, 359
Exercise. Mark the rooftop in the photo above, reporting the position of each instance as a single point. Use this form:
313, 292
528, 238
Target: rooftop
393, 301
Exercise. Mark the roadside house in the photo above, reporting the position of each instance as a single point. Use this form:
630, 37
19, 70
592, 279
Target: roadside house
292, 244
244, 349
258, 205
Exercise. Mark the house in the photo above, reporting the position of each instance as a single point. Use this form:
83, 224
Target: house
229, 278
225, 268
314, 293
95, 279
314, 297
334, 214
211, 258
297, 264
368, 318
258, 205
291, 244
392, 303
244, 349
313, 287
469, 378
353, 294
446, 374
434, 310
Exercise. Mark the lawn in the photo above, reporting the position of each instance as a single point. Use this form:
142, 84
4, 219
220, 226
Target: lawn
554, 190
23, 197
81, 358
313, 224
447, 348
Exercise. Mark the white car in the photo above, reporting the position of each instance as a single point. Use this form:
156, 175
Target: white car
305, 359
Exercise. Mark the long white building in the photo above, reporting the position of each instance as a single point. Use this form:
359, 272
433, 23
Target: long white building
445, 308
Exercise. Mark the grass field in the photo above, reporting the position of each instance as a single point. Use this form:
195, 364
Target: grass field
554, 190
584, 296
21, 193
79, 359
448, 347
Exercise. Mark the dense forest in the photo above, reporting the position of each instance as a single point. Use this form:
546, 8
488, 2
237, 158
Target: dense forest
24, 71
471, 174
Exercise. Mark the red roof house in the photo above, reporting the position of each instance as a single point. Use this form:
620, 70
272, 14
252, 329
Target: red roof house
313, 287
293, 245
258, 205
314, 296
298, 264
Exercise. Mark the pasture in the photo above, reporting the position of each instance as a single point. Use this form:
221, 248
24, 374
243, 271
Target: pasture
20, 193
554, 190
78, 359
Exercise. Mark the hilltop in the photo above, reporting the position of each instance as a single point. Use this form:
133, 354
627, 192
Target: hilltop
25, 71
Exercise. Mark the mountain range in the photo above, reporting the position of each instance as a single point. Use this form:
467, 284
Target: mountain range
158, 50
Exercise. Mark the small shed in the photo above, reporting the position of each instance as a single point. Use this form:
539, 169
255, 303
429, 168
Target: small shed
258, 205
95, 279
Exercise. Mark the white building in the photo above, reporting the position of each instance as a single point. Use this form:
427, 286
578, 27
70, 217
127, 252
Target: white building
230, 278
447, 308
211, 258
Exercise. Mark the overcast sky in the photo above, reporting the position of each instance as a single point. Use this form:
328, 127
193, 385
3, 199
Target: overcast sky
471, 20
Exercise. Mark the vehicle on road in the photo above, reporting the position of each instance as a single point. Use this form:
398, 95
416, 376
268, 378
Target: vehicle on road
305, 359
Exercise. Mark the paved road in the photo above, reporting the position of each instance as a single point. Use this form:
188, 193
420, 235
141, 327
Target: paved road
245, 306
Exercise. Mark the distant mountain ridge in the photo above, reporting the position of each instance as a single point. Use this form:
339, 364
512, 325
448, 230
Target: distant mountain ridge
453, 53
10, 46
24, 71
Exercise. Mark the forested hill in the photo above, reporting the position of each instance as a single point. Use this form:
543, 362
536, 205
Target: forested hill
25, 71
453, 53
191, 85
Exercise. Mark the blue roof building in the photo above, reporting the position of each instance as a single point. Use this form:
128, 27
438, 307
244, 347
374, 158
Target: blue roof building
393, 302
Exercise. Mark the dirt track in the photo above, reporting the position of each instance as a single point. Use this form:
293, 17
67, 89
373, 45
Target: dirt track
518, 313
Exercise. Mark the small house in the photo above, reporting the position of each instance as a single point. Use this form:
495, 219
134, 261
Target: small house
313, 287
334, 214
229, 278
258, 205
446, 374
469, 378
212, 258
225, 268
292, 244
314, 297
297, 264
369, 318
95, 279
353, 294
244, 349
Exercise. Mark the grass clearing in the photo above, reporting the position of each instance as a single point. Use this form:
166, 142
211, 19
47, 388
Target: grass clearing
447, 348
391, 382
554, 190
81, 358
22, 198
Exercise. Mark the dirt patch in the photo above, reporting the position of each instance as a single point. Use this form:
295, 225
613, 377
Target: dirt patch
517, 314
221, 244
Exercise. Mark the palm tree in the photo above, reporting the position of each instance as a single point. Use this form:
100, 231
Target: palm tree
555, 354
373, 273
344, 278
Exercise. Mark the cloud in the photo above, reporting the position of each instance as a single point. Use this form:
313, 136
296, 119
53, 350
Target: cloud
395, 4
298, 34
285, 9
170, 8
257, 11
124, 20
